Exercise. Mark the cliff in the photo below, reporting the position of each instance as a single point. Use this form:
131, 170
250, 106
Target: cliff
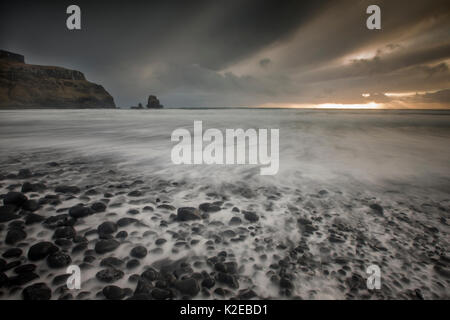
31, 86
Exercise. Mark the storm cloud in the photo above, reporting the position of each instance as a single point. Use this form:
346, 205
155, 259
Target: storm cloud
243, 53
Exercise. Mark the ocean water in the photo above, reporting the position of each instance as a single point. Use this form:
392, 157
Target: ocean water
333, 165
375, 148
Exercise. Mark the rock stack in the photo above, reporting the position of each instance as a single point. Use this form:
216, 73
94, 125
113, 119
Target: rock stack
153, 103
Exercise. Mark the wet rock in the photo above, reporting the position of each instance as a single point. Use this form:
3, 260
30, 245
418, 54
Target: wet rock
24, 173
41, 250
122, 235
111, 262
15, 235
161, 294
60, 279
12, 253
107, 227
63, 243
79, 239
67, 232
32, 187
235, 221
166, 206
221, 292
7, 213
228, 234
52, 199
123, 222
3, 279
377, 209
335, 239
442, 271
88, 258
227, 279
98, 207
109, 275
16, 224
67, 189
162, 284
37, 291
133, 263
250, 216
231, 267
25, 268
30, 205
143, 287
60, 220
80, 247
285, 283
22, 278
187, 214
14, 198
209, 207
188, 286
246, 294
58, 259
113, 293
135, 193
80, 211
208, 282
160, 241
133, 211
138, 252
104, 246
356, 282
150, 274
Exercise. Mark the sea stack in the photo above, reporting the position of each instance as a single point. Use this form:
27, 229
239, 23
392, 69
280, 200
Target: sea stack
26, 86
153, 103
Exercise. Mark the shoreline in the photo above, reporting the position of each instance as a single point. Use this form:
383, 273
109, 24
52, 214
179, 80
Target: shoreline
241, 243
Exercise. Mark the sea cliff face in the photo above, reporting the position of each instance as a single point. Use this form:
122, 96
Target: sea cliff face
31, 86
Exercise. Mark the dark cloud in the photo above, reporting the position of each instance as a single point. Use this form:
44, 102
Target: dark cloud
236, 52
441, 96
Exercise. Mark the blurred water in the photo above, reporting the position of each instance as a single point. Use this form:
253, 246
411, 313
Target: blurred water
326, 146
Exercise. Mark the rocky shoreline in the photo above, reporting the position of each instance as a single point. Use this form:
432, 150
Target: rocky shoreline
139, 238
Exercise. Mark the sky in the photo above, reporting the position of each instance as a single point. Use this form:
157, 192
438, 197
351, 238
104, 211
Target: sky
240, 53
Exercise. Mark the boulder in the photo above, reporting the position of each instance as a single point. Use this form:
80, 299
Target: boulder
14, 198
58, 259
104, 246
37, 291
41, 250
187, 214
113, 293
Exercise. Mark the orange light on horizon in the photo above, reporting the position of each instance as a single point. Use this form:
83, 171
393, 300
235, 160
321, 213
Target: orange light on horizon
369, 105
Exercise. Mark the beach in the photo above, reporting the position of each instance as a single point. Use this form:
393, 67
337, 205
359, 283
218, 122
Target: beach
354, 188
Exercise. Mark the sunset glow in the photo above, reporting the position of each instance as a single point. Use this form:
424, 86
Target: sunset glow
370, 105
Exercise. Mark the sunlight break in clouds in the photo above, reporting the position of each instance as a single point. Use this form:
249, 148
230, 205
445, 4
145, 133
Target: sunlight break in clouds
370, 105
